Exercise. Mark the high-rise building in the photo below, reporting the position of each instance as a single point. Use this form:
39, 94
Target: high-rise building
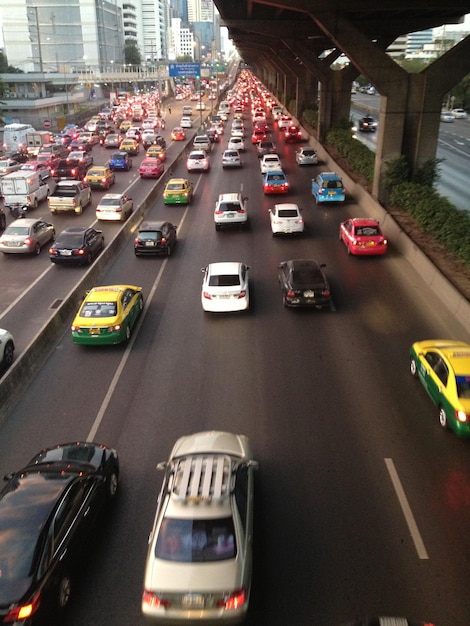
61, 36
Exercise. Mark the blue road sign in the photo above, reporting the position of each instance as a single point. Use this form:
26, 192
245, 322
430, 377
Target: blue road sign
184, 69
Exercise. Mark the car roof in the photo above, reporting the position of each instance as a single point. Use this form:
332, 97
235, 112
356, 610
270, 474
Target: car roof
177, 180
151, 226
330, 176
112, 196
287, 205
364, 221
25, 221
111, 292
224, 267
456, 352
229, 197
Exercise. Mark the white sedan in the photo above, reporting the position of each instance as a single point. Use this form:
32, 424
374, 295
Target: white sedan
186, 122
197, 161
115, 207
286, 219
459, 114
225, 287
236, 143
7, 349
270, 163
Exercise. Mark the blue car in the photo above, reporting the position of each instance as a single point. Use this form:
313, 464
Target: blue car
328, 187
120, 161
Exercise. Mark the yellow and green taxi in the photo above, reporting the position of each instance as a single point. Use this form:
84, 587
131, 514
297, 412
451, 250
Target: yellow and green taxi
443, 368
131, 146
101, 176
178, 191
156, 152
125, 125
107, 315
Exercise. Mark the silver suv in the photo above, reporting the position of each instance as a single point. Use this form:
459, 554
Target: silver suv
230, 210
199, 557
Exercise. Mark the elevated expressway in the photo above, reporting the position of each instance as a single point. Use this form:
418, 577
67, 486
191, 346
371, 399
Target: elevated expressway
292, 44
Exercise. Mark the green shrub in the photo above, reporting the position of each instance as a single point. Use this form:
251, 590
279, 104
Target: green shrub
360, 158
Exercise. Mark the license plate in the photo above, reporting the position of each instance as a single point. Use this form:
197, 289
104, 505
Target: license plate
94, 331
308, 294
193, 601
230, 215
224, 296
149, 244
65, 252
370, 244
332, 193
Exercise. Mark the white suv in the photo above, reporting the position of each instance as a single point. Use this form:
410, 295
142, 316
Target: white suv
199, 559
230, 210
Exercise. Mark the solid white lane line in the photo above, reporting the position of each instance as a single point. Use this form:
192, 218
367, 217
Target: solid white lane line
405, 507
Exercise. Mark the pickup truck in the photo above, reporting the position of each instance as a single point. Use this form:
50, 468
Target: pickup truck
69, 195
73, 169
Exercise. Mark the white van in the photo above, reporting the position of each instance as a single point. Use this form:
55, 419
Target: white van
187, 110
15, 137
224, 106
23, 189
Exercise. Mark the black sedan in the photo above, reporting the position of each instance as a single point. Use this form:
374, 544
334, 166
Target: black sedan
155, 238
77, 245
47, 512
303, 283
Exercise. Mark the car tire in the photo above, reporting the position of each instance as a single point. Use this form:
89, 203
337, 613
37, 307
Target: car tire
8, 354
35, 203
37, 249
89, 259
112, 484
413, 367
168, 251
64, 591
3, 221
128, 333
443, 418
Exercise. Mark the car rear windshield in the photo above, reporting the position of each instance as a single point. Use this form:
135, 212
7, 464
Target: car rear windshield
367, 231
224, 280
193, 541
228, 206
155, 235
309, 153
287, 213
69, 241
332, 184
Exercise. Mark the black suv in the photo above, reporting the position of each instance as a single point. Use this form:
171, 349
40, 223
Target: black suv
47, 512
69, 169
367, 124
155, 238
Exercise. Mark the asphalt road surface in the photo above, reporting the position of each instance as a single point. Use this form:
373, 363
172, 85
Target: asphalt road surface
361, 499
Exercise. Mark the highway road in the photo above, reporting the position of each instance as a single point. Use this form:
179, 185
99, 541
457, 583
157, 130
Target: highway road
453, 150
361, 499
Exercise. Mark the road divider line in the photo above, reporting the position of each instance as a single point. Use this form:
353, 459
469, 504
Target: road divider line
406, 509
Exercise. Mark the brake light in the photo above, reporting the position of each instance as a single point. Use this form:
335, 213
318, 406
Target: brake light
242, 294
23, 611
207, 295
326, 293
241, 210
290, 293
234, 601
152, 599
28, 241
461, 416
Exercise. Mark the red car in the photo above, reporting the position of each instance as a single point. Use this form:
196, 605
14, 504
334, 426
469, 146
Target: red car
151, 168
363, 236
262, 126
293, 134
257, 136
178, 134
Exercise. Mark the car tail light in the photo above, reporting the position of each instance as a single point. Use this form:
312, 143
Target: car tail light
242, 294
234, 601
79, 252
461, 416
28, 241
153, 600
290, 293
163, 241
241, 210
74, 172
24, 611
53, 251
326, 293
207, 295
103, 180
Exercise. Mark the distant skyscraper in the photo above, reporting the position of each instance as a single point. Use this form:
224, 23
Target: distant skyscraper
416, 41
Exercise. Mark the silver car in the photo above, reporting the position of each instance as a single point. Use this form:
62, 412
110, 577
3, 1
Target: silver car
306, 156
199, 560
26, 236
231, 158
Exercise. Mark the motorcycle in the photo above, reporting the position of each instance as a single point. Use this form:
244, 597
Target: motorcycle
18, 211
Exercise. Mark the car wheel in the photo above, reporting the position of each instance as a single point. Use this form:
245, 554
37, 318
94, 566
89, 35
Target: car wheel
79, 210
112, 485
89, 258
3, 221
8, 353
141, 303
413, 367
128, 332
37, 249
64, 591
168, 251
443, 418
35, 203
